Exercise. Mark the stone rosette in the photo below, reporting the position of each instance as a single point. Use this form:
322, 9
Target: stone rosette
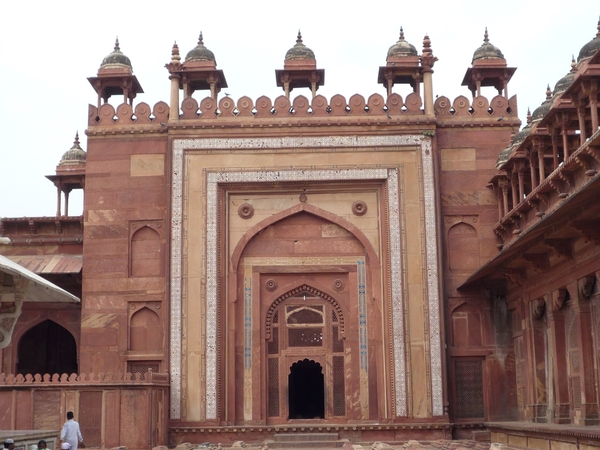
246, 211
359, 208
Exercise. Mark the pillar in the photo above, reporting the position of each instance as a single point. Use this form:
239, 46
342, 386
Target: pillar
174, 103
556, 343
583, 319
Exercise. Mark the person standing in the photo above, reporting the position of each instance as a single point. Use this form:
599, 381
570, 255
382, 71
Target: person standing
70, 432
9, 444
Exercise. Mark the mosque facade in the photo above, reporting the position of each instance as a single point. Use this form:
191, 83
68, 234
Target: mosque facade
367, 269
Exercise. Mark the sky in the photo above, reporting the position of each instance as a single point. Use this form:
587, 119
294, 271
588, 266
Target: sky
49, 49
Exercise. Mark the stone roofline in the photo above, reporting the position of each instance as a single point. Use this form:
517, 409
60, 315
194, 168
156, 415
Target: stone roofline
395, 109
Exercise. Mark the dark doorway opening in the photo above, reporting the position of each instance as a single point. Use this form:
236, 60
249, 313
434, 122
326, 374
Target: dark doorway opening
47, 348
306, 388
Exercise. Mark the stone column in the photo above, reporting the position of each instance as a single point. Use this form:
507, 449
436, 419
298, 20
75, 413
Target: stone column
583, 318
557, 339
174, 103
581, 115
539, 346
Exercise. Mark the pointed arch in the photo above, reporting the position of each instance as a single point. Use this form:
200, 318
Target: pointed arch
47, 347
314, 210
295, 291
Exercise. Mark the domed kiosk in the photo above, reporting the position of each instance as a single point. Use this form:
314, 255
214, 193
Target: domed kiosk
300, 69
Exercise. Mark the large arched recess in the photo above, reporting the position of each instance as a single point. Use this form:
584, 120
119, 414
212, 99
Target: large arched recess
378, 310
47, 347
351, 228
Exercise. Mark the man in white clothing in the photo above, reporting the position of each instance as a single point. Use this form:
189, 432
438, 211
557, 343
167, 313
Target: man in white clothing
70, 432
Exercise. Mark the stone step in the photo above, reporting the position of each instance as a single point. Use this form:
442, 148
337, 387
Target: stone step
298, 441
305, 437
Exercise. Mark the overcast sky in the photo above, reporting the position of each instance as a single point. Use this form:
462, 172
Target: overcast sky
48, 49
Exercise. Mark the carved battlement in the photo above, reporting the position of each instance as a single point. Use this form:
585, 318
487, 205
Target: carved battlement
394, 107
51, 380
480, 107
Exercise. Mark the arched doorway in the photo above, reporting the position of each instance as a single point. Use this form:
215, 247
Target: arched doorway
306, 361
47, 348
306, 390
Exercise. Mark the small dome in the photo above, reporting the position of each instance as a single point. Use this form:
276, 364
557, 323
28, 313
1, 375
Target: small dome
402, 47
540, 112
116, 58
200, 52
74, 154
591, 47
521, 135
487, 50
299, 51
503, 156
563, 84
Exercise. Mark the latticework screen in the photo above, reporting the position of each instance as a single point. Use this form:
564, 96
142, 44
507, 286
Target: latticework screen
339, 396
273, 388
468, 376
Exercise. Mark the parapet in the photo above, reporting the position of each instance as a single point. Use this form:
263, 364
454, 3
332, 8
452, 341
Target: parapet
394, 107
50, 380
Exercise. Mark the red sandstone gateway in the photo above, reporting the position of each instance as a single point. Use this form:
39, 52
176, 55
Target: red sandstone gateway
304, 269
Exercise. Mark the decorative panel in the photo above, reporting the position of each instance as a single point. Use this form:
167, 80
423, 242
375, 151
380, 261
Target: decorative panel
90, 417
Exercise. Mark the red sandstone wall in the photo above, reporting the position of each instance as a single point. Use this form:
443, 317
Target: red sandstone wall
478, 334
126, 190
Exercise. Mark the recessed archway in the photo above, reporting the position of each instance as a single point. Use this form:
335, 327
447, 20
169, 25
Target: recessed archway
47, 348
306, 390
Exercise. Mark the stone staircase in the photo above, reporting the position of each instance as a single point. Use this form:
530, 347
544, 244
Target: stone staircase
305, 440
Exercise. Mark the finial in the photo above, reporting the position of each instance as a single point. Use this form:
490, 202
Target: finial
117, 48
76, 141
426, 44
598, 33
528, 115
201, 39
175, 53
485, 36
573, 64
548, 93
299, 38
401, 34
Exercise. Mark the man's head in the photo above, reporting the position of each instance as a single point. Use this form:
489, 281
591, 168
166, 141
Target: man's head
70, 415
65, 446
9, 443
42, 445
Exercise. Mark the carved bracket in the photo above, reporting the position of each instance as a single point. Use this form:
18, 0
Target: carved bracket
558, 298
538, 307
589, 229
540, 261
514, 275
585, 287
564, 247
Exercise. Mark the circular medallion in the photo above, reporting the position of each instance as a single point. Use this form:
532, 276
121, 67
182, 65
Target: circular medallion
246, 211
359, 208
